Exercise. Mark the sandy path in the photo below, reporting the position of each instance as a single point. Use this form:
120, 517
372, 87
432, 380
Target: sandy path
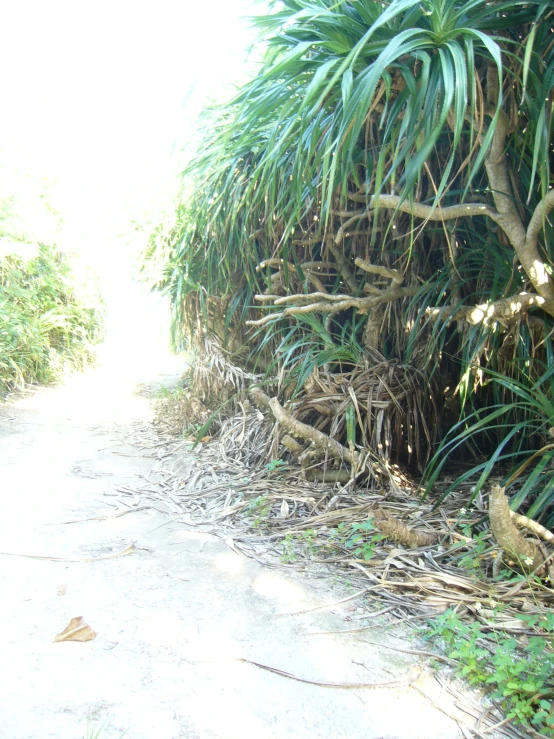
173, 616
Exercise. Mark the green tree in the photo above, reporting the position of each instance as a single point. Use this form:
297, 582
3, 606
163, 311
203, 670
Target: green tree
375, 201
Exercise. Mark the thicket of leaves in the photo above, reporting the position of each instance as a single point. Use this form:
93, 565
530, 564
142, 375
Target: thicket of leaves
49, 321
386, 170
45, 328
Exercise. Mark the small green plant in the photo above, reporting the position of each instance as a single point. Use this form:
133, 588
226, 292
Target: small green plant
294, 545
478, 545
360, 537
309, 537
363, 538
258, 508
275, 464
289, 554
518, 676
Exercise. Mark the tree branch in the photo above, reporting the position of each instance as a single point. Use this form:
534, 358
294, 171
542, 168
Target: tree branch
335, 303
538, 218
322, 443
278, 263
333, 244
427, 212
392, 274
505, 310
524, 244
531, 525
309, 298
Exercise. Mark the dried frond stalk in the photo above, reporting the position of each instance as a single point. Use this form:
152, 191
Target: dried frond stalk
395, 529
330, 476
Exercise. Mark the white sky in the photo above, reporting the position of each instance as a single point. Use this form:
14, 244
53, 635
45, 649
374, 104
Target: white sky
93, 96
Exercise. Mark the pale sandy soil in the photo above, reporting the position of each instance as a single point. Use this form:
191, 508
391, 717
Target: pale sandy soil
172, 617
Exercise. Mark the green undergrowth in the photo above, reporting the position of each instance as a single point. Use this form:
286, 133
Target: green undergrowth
517, 673
358, 539
47, 326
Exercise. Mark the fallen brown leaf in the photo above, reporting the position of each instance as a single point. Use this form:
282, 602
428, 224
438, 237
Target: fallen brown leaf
76, 630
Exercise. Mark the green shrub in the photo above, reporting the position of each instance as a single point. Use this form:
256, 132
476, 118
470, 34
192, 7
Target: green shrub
45, 327
517, 674
517, 431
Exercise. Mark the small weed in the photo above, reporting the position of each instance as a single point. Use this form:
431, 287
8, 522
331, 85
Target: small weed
361, 538
480, 543
275, 464
309, 539
258, 508
289, 553
519, 676
294, 545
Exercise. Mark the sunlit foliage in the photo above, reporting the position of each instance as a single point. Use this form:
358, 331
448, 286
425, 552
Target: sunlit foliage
387, 168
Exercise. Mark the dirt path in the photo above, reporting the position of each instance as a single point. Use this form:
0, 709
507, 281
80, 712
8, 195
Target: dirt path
175, 616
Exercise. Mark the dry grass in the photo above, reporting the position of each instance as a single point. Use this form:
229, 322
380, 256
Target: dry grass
216, 488
271, 512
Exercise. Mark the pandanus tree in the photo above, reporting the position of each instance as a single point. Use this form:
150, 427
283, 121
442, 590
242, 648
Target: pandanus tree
367, 222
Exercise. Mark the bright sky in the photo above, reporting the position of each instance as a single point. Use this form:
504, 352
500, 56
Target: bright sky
93, 95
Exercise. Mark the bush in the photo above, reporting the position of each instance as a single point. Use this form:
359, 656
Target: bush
45, 327
516, 674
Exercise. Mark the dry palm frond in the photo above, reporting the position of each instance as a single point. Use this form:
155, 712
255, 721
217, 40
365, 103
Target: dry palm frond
179, 411
277, 517
394, 406
215, 379
260, 509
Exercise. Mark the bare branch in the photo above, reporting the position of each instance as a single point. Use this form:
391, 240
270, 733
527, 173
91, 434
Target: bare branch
325, 445
372, 290
524, 244
322, 307
498, 173
392, 274
504, 311
335, 303
266, 298
303, 298
334, 247
308, 241
531, 525
279, 263
429, 212
316, 282
319, 266
292, 445
538, 218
